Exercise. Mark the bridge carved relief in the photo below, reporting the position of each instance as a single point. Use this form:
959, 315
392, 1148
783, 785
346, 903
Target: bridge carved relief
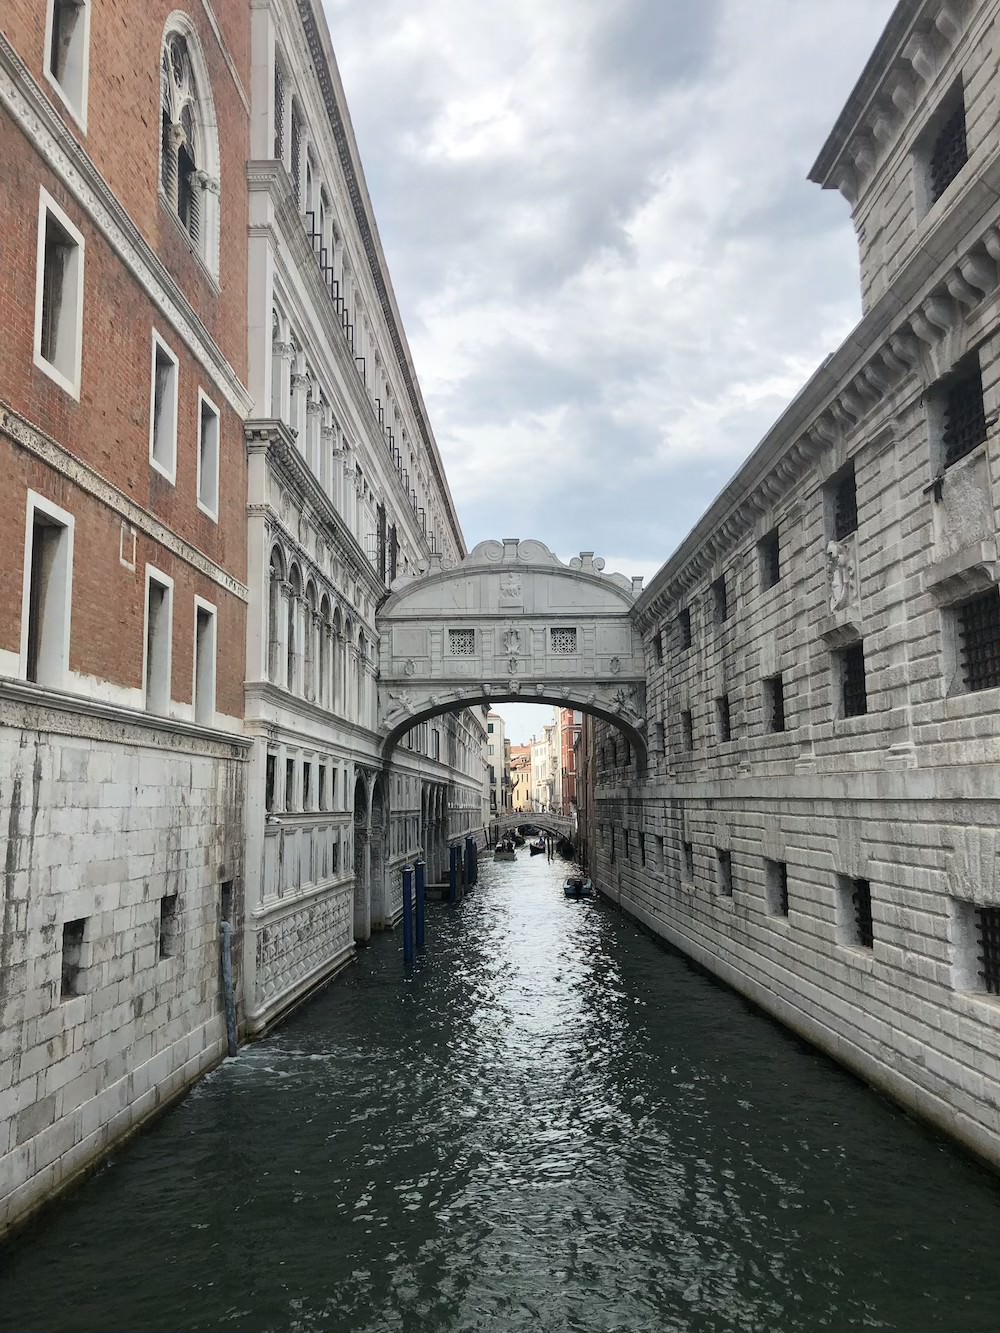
512, 622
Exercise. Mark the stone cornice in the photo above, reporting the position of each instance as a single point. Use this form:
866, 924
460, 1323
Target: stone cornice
36, 117
325, 68
264, 692
35, 708
914, 331
283, 456
43, 447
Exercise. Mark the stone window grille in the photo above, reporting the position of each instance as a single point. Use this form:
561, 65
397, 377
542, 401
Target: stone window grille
167, 933
964, 412
72, 951
720, 601
724, 720
462, 642
769, 555
979, 640
774, 703
987, 921
949, 151
843, 493
684, 627
724, 868
776, 873
854, 695
562, 642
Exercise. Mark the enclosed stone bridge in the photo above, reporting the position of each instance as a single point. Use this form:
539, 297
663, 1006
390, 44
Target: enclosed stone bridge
512, 623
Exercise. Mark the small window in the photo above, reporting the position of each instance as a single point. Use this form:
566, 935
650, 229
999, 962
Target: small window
723, 719
59, 297
978, 947
642, 848
226, 900
684, 627
159, 633
962, 411
562, 641
270, 778
72, 953
66, 63
855, 911
321, 787
948, 150
853, 691
659, 851
489, 728
47, 596
625, 843
335, 859
842, 503
769, 558
687, 859
687, 730
204, 663
720, 602
462, 642
163, 410
167, 935
208, 456
774, 703
978, 623
289, 784
660, 733
724, 871
279, 113
776, 887
307, 771
658, 647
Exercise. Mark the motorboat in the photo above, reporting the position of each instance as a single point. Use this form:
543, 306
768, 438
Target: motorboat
537, 848
505, 851
577, 887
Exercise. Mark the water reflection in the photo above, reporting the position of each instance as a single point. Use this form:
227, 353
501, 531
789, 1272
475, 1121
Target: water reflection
552, 1124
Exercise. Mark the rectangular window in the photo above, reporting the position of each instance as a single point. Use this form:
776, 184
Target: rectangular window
562, 641
776, 886
854, 910
489, 728
612, 857
687, 859
769, 559
46, 600
948, 150
72, 953
307, 772
462, 642
66, 51
226, 900
208, 456
723, 719
435, 744
842, 504
167, 935
658, 647
684, 627
335, 859
687, 730
978, 626
774, 703
642, 848
163, 409
59, 297
625, 842
289, 784
724, 871
204, 662
661, 737
853, 692
159, 636
720, 602
270, 778
659, 851
321, 787
962, 411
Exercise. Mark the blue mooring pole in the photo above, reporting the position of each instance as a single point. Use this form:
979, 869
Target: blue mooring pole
470, 851
408, 915
420, 888
453, 874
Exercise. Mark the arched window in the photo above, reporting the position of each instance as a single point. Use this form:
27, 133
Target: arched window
274, 626
189, 145
292, 641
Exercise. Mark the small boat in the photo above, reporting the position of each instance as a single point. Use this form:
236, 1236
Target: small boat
565, 849
536, 848
516, 839
576, 887
504, 851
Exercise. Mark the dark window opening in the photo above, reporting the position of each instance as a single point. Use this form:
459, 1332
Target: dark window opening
168, 925
775, 703
289, 784
269, 781
777, 887
321, 788
72, 949
844, 495
770, 559
687, 853
861, 901
279, 113
949, 152
59, 247
854, 694
658, 648
720, 602
226, 900
723, 718
684, 627
988, 940
724, 864
307, 770
979, 640
964, 413
687, 730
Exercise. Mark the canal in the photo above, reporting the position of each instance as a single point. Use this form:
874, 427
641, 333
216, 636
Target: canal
554, 1124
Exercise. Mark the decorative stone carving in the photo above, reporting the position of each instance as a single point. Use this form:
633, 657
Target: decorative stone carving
510, 587
409, 666
511, 639
615, 665
841, 573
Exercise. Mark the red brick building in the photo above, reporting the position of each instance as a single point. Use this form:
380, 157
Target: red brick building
123, 298
570, 722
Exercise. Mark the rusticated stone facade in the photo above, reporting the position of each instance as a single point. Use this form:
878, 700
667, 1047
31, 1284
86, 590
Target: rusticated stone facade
818, 825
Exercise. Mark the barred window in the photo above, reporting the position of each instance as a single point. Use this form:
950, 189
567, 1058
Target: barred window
462, 642
279, 114
687, 730
776, 881
723, 718
964, 412
854, 695
861, 900
684, 627
720, 601
949, 151
774, 703
843, 495
769, 556
979, 640
987, 921
562, 641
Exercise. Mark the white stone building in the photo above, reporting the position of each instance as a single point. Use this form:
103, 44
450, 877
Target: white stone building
496, 744
818, 824
346, 491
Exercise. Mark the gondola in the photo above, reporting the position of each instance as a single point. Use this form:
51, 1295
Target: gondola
537, 848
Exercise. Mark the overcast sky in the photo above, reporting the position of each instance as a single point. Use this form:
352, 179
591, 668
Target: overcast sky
612, 271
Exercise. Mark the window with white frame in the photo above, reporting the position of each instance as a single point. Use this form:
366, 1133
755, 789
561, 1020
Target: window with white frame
59, 296
47, 594
205, 652
163, 409
159, 635
208, 456
67, 41
189, 142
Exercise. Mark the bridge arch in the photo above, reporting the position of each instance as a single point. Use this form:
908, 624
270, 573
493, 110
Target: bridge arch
512, 623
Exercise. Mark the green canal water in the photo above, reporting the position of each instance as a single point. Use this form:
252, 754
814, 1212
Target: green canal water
554, 1124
